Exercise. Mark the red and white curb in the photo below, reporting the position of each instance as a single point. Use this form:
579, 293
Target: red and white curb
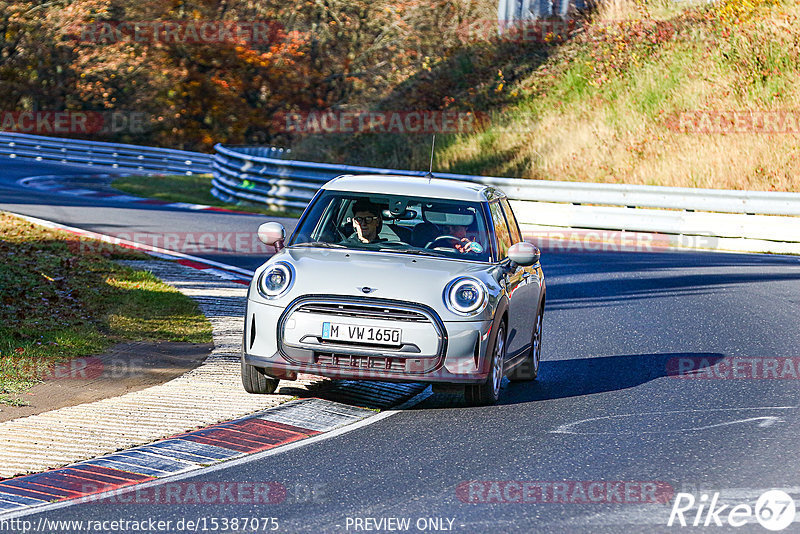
55, 184
116, 476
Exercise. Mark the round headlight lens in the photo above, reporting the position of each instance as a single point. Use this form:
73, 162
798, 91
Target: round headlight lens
275, 280
466, 296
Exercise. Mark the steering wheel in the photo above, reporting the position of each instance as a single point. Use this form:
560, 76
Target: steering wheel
451, 238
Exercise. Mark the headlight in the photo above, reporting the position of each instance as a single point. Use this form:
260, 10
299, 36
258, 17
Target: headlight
466, 296
275, 280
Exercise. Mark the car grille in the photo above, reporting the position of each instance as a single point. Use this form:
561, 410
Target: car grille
307, 347
363, 312
360, 362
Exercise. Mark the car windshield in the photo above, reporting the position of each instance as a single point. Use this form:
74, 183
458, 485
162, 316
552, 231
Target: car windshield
393, 223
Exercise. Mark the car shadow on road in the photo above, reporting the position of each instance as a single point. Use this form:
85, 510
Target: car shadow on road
372, 395
575, 377
587, 376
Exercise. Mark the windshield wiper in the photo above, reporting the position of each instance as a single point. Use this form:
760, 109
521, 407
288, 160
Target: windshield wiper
320, 244
415, 251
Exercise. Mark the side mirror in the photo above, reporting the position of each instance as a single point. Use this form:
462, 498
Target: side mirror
524, 254
272, 234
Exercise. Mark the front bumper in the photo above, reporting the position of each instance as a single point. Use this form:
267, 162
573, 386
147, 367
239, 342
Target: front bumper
287, 342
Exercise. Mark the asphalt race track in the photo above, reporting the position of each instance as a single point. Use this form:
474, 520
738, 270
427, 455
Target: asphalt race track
607, 421
124, 220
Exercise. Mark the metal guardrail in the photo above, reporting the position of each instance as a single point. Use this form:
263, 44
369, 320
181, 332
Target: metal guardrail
280, 183
101, 154
263, 175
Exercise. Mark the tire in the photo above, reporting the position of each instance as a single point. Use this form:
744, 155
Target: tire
489, 392
529, 368
255, 380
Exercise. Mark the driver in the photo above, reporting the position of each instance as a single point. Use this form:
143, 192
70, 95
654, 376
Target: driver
465, 242
367, 223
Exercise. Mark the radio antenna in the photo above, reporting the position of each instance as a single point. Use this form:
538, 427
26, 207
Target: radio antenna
430, 169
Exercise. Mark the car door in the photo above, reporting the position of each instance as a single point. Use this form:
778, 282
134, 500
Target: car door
529, 290
513, 278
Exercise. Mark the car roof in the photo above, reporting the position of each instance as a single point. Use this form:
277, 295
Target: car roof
414, 186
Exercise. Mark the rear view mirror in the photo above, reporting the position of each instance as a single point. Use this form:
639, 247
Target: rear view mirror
406, 215
524, 254
272, 234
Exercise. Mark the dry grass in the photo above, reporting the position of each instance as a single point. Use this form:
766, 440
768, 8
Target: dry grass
623, 129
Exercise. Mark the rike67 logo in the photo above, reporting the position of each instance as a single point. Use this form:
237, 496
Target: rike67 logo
774, 510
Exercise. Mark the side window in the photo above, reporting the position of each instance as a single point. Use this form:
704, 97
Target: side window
500, 230
516, 235
318, 224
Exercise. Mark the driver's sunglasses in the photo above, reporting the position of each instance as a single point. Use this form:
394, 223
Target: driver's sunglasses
363, 220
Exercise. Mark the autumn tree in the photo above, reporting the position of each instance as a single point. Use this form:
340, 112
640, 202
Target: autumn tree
321, 54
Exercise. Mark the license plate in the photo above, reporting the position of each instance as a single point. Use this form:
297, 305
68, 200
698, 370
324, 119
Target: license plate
361, 334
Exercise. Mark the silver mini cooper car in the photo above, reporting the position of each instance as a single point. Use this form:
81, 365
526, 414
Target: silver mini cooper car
398, 278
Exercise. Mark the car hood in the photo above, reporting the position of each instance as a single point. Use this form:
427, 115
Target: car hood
406, 277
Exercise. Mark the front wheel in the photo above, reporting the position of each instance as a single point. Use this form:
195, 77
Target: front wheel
488, 392
529, 369
255, 380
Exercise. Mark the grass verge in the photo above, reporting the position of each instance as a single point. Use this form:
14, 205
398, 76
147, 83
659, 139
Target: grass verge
64, 297
195, 189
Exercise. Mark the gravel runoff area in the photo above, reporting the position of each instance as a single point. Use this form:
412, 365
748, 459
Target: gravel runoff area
209, 394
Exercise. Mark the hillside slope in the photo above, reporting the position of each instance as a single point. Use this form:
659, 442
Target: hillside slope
645, 92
